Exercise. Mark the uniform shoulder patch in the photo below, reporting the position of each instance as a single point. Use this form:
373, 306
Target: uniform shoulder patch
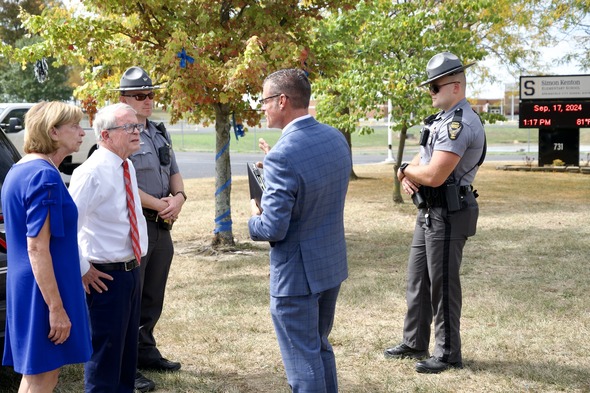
454, 128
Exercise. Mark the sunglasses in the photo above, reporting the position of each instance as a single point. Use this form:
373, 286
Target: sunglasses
140, 97
129, 127
436, 88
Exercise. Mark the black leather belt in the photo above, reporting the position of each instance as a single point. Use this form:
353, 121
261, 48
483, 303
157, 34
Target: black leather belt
151, 215
121, 266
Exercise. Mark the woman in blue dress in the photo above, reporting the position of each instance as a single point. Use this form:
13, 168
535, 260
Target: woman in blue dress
46, 315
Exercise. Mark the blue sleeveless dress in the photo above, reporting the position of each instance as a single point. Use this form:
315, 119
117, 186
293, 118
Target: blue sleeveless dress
30, 191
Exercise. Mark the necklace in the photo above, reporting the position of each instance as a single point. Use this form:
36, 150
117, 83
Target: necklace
51, 161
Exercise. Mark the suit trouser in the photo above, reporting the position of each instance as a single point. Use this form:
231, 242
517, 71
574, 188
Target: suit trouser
302, 325
114, 318
434, 285
155, 266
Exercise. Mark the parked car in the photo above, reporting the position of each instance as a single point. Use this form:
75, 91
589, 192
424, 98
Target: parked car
12, 123
8, 156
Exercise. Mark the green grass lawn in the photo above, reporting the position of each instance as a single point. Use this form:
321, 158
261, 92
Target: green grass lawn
505, 134
525, 321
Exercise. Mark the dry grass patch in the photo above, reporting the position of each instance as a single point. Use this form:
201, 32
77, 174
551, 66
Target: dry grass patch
525, 322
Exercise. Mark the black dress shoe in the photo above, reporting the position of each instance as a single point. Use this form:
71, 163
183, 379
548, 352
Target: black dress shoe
143, 384
161, 364
434, 366
402, 351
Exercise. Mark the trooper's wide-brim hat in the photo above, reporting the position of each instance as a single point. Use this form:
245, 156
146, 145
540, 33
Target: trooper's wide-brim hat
443, 64
135, 78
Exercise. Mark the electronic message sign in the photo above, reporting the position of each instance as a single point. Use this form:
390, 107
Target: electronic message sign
554, 114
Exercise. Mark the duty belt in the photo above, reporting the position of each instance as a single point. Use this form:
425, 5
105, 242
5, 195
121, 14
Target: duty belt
435, 196
153, 216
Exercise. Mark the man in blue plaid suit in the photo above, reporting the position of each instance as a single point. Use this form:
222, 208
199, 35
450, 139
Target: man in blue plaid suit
301, 214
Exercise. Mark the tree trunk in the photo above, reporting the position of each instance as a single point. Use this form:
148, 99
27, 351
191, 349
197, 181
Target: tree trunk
347, 135
397, 195
223, 235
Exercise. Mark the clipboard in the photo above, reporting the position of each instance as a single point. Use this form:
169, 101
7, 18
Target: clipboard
256, 182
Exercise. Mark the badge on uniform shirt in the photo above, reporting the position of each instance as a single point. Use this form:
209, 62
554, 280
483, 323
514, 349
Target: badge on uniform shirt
454, 129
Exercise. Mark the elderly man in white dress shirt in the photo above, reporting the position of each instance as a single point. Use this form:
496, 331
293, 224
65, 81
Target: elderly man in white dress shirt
112, 234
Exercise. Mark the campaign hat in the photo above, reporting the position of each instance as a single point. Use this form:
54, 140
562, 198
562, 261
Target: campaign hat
443, 64
135, 78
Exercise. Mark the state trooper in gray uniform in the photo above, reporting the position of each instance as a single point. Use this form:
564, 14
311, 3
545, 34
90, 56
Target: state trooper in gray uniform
161, 190
439, 179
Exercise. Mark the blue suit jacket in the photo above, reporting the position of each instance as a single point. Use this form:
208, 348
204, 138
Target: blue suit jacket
306, 176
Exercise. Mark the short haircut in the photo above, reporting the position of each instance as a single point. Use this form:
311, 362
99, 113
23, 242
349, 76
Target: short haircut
293, 83
107, 117
41, 119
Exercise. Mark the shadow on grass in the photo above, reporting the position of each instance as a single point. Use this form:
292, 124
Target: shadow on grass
191, 381
551, 373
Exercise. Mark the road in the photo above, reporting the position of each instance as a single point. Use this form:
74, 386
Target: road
201, 164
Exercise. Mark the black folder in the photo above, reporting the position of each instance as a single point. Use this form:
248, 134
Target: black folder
256, 181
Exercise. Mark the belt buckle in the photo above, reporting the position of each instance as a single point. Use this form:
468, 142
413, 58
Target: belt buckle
129, 265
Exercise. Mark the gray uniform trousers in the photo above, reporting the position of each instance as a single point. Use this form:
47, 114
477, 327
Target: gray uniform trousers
154, 269
434, 286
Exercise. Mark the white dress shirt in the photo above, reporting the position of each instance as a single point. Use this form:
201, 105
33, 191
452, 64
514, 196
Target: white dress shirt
98, 189
295, 121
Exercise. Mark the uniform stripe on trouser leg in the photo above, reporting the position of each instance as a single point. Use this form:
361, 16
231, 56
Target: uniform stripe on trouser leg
445, 294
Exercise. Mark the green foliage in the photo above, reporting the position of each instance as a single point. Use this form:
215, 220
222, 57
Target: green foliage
491, 118
380, 50
17, 84
558, 162
21, 85
11, 28
573, 25
234, 45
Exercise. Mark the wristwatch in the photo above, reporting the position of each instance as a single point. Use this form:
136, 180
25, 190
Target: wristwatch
182, 193
403, 166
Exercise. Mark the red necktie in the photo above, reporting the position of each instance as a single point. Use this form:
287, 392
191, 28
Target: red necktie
131, 210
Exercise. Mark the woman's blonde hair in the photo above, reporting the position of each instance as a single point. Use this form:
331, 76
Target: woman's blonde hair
40, 120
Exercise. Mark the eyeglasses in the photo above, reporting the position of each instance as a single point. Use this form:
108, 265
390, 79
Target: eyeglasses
140, 97
263, 101
436, 88
129, 128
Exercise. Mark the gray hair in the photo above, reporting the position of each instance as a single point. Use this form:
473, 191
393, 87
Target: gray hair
107, 117
293, 83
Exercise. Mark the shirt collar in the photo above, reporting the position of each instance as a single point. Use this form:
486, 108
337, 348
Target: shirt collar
295, 121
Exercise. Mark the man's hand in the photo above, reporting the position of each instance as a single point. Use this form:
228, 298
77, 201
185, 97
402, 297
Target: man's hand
255, 208
409, 186
93, 277
172, 211
265, 147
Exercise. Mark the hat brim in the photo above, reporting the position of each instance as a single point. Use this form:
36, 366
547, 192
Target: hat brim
449, 72
132, 88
